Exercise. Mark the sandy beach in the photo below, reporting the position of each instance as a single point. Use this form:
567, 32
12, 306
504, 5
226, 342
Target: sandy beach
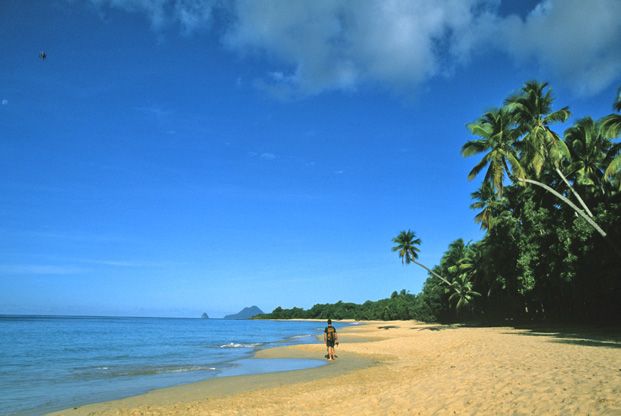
408, 368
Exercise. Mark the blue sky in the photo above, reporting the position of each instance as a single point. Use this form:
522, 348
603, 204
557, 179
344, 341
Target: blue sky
171, 157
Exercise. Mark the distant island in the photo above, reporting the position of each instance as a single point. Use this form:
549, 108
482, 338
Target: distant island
204, 316
246, 313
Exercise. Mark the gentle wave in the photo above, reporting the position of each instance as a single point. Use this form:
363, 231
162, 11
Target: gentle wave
65, 361
104, 371
239, 345
301, 336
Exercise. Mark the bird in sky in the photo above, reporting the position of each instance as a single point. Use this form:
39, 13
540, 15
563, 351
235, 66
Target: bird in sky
42, 55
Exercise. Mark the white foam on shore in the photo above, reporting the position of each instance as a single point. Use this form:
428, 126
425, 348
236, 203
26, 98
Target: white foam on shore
239, 345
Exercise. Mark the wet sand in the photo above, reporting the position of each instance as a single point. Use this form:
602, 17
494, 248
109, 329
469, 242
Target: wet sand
408, 368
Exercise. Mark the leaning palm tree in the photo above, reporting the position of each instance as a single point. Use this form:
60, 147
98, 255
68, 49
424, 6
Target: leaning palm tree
407, 246
498, 139
532, 111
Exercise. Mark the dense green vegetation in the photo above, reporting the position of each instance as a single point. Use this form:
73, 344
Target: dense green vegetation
400, 305
550, 205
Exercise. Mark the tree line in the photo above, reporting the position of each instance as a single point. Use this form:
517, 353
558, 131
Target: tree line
550, 206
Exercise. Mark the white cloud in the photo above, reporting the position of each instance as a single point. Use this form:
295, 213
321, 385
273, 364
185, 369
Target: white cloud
579, 41
264, 155
327, 44
320, 45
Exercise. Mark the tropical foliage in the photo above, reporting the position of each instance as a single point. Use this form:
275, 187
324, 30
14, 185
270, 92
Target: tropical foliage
551, 208
550, 205
400, 305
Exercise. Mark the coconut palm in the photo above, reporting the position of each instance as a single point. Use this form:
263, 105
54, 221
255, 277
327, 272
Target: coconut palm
532, 111
498, 139
463, 272
613, 171
611, 125
611, 128
486, 200
463, 293
589, 148
407, 246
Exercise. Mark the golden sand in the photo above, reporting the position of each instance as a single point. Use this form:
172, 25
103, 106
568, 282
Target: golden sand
406, 368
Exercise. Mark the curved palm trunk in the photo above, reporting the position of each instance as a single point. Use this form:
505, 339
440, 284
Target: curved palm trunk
432, 272
580, 212
573, 191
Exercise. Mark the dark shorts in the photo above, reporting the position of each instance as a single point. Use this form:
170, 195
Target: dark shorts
330, 344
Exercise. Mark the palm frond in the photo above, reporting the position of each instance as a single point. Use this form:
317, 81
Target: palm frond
479, 166
473, 147
611, 125
559, 115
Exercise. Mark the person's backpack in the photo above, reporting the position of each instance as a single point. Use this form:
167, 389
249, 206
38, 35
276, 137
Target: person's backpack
330, 333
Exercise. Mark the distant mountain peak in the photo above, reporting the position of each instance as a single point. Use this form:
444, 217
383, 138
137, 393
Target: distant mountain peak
204, 316
246, 313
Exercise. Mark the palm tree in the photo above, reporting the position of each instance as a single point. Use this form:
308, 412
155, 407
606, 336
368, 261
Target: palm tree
589, 148
407, 246
463, 270
463, 292
611, 128
486, 200
532, 111
613, 171
498, 138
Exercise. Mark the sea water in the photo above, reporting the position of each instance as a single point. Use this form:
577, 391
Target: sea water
51, 363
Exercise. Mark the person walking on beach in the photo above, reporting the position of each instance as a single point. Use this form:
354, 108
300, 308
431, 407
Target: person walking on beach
330, 337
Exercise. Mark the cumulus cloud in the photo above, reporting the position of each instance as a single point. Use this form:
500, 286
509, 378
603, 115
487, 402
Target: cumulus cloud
320, 45
579, 41
327, 44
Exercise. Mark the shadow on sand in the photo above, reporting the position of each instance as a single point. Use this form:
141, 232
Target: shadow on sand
605, 336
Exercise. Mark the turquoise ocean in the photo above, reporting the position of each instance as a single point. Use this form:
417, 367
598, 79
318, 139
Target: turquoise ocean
50, 363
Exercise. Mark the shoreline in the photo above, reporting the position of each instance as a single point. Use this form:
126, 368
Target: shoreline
405, 367
228, 385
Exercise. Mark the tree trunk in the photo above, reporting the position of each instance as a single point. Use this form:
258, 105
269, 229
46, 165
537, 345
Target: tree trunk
568, 202
432, 272
573, 191
580, 212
